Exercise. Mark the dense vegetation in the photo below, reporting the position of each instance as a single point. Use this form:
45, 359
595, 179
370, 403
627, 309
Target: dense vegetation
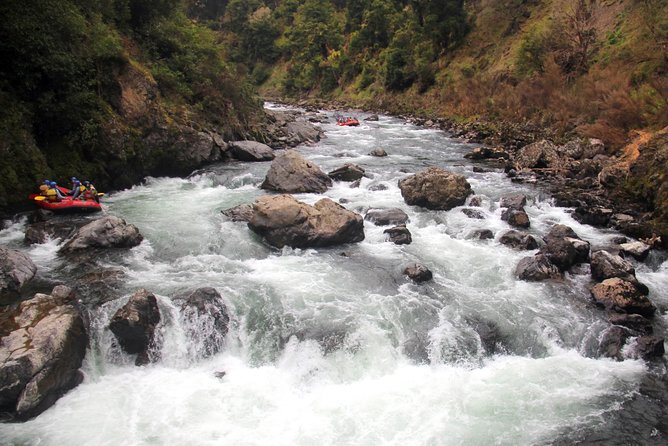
70, 70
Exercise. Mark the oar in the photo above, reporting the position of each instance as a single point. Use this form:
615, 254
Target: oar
39, 198
100, 194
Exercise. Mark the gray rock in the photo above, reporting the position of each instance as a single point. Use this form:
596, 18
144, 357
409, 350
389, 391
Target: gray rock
634, 322
537, 268
612, 342
384, 217
16, 269
291, 173
605, 265
251, 151
373, 118
242, 212
378, 152
540, 154
399, 235
284, 221
436, 189
134, 325
647, 347
106, 232
637, 250
475, 201
516, 217
347, 172
418, 273
513, 201
564, 248
518, 240
42, 347
473, 213
482, 234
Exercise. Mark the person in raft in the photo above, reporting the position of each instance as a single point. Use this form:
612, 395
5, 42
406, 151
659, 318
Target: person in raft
53, 193
89, 192
77, 188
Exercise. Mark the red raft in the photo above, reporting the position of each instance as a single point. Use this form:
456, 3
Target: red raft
348, 121
66, 205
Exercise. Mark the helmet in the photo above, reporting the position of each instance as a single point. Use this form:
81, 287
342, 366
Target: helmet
47, 182
86, 183
53, 184
74, 179
75, 182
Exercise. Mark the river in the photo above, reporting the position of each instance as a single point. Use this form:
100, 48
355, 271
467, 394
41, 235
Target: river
397, 363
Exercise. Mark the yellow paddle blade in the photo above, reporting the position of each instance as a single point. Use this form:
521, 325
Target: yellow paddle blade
100, 194
39, 198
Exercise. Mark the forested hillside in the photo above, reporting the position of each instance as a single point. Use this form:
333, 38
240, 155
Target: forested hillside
111, 90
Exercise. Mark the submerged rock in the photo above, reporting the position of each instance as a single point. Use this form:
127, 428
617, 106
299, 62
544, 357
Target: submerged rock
435, 189
134, 325
378, 152
42, 346
473, 213
518, 240
292, 173
16, 269
284, 221
106, 232
647, 347
206, 320
612, 342
242, 212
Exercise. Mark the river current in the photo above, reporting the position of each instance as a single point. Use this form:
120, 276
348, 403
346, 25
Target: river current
335, 346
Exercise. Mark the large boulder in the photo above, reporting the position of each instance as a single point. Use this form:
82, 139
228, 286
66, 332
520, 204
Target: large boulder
436, 189
622, 296
43, 342
292, 173
347, 172
42, 231
538, 155
106, 232
206, 320
605, 265
290, 129
564, 248
284, 221
16, 268
384, 217
637, 250
647, 347
516, 217
537, 268
251, 151
134, 325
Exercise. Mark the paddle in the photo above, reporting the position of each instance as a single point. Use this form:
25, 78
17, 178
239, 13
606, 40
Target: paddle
39, 198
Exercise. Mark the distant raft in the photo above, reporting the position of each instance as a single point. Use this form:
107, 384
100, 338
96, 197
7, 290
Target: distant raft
351, 122
67, 204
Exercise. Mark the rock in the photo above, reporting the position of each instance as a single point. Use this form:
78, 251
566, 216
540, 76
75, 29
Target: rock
40, 215
539, 155
16, 269
251, 151
290, 129
473, 213
622, 296
134, 325
378, 152
42, 346
205, 320
564, 248
41, 231
612, 176
647, 347
513, 201
347, 172
516, 217
637, 250
377, 187
475, 201
291, 173
384, 217
418, 273
284, 221
106, 232
242, 212
399, 235
482, 234
536, 268
612, 342
572, 149
483, 153
518, 240
416, 348
372, 118
355, 184
594, 216
605, 265
593, 148
435, 189
633, 322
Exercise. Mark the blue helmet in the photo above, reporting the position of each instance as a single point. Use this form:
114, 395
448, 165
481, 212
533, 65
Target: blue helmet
53, 184
86, 183
47, 182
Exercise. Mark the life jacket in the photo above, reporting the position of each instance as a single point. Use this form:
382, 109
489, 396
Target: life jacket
82, 188
51, 194
89, 194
